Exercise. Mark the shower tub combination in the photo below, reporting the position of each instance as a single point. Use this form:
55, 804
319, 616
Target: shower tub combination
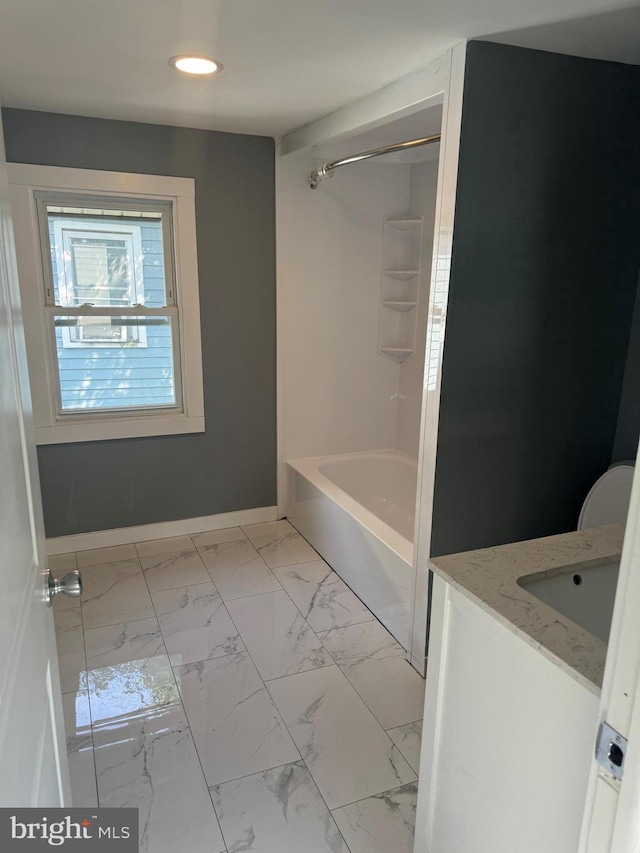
358, 511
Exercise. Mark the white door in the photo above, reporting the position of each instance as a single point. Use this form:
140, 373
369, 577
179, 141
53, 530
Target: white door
33, 758
612, 816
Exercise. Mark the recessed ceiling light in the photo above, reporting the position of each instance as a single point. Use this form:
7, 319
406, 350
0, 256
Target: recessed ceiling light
195, 64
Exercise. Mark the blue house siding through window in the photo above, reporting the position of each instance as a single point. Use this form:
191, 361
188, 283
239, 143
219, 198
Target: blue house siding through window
136, 373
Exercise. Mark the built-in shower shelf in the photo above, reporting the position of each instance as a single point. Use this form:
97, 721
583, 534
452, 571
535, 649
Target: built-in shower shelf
399, 286
401, 275
404, 223
397, 305
396, 353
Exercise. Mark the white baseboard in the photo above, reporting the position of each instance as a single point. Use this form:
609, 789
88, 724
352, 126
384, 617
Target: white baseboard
145, 532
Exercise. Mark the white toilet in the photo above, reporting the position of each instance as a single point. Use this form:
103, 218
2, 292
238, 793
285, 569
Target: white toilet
608, 500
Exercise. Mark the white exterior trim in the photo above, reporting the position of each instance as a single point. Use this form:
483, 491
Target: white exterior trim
161, 530
27, 179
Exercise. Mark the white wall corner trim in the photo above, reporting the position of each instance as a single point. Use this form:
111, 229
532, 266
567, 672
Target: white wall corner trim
161, 530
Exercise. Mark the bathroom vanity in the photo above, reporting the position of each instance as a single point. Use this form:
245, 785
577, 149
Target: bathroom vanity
516, 659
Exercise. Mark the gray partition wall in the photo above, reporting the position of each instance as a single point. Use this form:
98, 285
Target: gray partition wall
544, 273
232, 466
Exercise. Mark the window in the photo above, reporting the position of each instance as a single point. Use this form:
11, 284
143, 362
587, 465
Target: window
108, 274
95, 263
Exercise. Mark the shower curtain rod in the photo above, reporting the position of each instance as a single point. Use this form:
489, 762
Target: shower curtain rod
328, 169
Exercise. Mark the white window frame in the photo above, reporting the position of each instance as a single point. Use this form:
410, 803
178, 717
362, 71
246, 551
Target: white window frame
51, 425
63, 232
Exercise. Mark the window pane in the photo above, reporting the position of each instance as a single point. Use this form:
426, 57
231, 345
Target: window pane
102, 271
107, 257
115, 362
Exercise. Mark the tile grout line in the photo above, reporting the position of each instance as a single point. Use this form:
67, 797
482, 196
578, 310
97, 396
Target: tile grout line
275, 707
258, 555
344, 627
279, 767
393, 745
184, 710
86, 673
174, 553
265, 682
374, 796
285, 723
404, 725
128, 622
305, 622
309, 771
408, 723
264, 687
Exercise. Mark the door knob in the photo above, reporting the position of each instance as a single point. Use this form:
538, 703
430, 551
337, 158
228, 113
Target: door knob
70, 585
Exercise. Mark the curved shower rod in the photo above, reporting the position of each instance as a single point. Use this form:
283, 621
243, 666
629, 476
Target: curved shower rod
328, 170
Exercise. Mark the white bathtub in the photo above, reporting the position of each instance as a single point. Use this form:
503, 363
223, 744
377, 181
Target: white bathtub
357, 510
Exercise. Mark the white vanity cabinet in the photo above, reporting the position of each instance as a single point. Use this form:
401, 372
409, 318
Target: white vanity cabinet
508, 738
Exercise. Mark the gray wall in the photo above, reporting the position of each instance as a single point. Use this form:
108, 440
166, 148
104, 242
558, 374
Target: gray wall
625, 446
100, 485
544, 272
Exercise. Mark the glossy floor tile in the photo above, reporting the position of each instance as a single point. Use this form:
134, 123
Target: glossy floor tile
324, 599
279, 544
235, 725
171, 563
113, 554
347, 752
170, 571
279, 640
128, 674
380, 824
215, 537
82, 768
236, 568
114, 592
278, 811
170, 545
211, 691
159, 774
195, 624
376, 665
70, 646
408, 740
111, 645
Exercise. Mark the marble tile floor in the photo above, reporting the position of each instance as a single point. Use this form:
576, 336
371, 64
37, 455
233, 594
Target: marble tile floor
232, 688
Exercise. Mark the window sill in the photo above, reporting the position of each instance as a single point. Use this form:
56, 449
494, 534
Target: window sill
116, 428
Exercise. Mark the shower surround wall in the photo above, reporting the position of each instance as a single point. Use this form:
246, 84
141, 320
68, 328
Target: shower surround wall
338, 395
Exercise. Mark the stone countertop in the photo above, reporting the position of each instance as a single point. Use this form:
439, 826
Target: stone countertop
489, 577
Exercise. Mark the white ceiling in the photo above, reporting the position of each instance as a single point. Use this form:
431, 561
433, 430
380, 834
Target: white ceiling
287, 62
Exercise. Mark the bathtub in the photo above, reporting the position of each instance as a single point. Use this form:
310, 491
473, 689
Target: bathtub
358, 510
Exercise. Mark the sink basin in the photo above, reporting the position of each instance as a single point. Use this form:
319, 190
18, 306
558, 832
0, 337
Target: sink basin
584, 595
